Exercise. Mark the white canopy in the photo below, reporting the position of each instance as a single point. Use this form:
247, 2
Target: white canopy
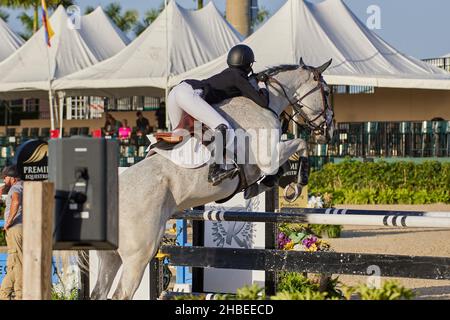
318, 32
142, 68
25, 73
101, 35
9, 41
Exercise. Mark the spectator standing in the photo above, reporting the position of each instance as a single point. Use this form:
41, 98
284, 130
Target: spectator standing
11, 287
112, 125
142, 123
161, 116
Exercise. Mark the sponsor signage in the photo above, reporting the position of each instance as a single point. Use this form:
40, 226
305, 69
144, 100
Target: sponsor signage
232, 234
287, 192
32, 160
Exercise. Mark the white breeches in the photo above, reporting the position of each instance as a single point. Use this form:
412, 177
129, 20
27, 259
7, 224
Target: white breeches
184, 97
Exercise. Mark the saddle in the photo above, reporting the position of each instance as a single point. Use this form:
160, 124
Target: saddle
168, 140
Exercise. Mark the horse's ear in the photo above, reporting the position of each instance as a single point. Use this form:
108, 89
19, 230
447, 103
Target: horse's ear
302, 64
324, 67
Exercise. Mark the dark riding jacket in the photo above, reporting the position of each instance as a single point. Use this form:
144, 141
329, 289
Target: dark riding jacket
230, 83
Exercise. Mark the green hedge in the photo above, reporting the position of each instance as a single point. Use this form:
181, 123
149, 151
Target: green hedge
356, 182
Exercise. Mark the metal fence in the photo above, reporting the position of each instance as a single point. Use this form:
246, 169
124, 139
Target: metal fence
443, 62
389, 139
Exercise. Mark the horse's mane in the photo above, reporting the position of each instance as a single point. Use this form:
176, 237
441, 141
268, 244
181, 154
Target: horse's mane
282, 67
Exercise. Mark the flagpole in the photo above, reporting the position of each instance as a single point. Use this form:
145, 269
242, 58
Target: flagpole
48, 35
50, 95
167, 65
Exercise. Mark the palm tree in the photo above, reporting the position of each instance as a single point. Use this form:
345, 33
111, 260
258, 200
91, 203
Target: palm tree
125, 21
4, 15
149, 17
199, 4
261, 16
89, 9
34, 4
27, 22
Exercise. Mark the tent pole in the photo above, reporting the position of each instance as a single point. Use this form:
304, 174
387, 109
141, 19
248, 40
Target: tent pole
55, 111
50, 99
61, 111
6, 116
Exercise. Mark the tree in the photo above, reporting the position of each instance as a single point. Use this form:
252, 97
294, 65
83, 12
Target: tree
89, 9
261, 16
27, 22
4, 15
125, 21
148, 19
35, 5
199, 4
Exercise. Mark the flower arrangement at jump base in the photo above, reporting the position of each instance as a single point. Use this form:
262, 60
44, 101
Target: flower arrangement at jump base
301, 241
329, 231
304, 237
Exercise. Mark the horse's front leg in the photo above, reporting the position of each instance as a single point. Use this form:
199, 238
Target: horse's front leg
285, 150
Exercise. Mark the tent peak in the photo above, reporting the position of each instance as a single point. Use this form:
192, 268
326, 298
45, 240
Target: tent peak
10, 41
97, 10
60, 9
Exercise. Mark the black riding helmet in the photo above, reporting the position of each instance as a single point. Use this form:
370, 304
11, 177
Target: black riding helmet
242, 57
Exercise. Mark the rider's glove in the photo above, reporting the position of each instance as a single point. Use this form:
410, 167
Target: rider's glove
262, 77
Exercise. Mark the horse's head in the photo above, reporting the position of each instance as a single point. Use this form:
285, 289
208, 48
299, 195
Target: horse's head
304, 88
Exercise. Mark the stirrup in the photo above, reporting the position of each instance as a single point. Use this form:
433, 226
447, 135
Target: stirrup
222, 175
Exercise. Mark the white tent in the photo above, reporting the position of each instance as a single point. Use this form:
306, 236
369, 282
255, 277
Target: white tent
9, 41
26, 72
318, 32
101, 35
192, 37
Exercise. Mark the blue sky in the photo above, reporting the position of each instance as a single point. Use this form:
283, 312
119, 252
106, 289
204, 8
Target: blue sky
416, 27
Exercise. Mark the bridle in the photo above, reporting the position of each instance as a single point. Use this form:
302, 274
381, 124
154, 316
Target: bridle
298, 105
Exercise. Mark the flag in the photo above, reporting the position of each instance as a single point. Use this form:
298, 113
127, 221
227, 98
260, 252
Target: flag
49, 33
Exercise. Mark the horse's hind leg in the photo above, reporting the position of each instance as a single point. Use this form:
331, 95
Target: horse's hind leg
109, 263
134, 265
133, 270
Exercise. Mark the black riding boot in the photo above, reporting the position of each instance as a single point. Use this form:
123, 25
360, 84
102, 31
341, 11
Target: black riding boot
216, 172
271, 181
267, 183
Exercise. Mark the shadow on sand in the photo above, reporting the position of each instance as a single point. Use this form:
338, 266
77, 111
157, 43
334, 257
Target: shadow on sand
432, 293
382, 232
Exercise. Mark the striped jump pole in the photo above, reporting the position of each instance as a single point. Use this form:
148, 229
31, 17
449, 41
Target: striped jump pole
435, 214
319, 216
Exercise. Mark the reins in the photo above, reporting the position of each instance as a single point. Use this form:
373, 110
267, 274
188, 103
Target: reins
298, 104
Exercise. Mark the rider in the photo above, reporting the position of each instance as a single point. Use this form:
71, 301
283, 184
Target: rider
196, 97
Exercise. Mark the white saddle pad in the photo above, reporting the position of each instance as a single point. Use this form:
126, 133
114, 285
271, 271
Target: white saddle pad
189, 154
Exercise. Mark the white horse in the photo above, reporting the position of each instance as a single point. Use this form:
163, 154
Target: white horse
151, 191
